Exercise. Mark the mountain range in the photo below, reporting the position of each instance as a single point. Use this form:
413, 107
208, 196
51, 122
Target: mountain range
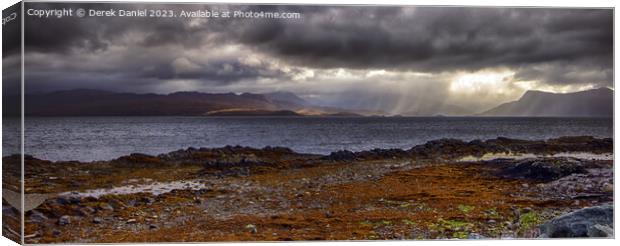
589, 103
86, 102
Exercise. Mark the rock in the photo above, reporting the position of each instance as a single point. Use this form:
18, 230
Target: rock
97, 220
600, 231
580, 223
607, 187
328, 214
475, 236
543, 169
64, 220
341, 155
68, 200
106, 206
38, 217
252, 228
85, 211
131, 221
512, 226
524, 185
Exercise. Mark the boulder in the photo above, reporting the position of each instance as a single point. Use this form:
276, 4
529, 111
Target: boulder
341, 155
600, 231
587, 222
543, 169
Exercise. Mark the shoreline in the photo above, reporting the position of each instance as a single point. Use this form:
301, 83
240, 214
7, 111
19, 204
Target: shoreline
477, 148
238, 193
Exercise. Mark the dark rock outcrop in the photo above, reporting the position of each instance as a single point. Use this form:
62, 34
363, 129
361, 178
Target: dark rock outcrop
543, 170
587, 222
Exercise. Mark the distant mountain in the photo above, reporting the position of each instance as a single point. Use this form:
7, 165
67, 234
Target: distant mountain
285, 97
590, 103
439, 110
250, 112
86, 102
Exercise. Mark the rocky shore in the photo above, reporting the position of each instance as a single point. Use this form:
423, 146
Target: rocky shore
443, 189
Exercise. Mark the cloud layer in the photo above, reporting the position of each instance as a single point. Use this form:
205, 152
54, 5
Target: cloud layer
327, 54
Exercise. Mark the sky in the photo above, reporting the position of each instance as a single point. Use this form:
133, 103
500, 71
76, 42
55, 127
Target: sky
387, 58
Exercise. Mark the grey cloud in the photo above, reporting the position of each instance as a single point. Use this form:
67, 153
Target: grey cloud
564, 74
436, 39
424, 39
220, 72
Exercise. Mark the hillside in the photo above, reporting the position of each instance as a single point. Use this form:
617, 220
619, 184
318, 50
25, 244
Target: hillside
590, 103
85, 102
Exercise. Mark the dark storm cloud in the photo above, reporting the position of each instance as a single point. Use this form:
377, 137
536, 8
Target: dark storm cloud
218, 72
437, 39
422, 39
11, 41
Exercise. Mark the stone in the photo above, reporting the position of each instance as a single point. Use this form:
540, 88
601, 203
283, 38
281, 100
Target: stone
68, 200
543, 170
97, 220
64, 220
148, 201
106, 206
252, 228
328, 214
475, 236
38, 217
131, 221
580, 223
85, 211
600, 231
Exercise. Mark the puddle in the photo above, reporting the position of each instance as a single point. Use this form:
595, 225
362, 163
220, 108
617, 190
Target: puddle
579, 155
155, 188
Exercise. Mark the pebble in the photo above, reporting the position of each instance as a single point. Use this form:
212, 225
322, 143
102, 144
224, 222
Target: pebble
106, 206
252, 228
131, 221
475, 236
85, 211
64, 220
328, 214
97, 220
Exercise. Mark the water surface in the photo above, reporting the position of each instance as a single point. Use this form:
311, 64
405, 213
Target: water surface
105, 138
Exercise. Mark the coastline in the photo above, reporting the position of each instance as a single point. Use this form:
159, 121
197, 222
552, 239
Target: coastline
430, 191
